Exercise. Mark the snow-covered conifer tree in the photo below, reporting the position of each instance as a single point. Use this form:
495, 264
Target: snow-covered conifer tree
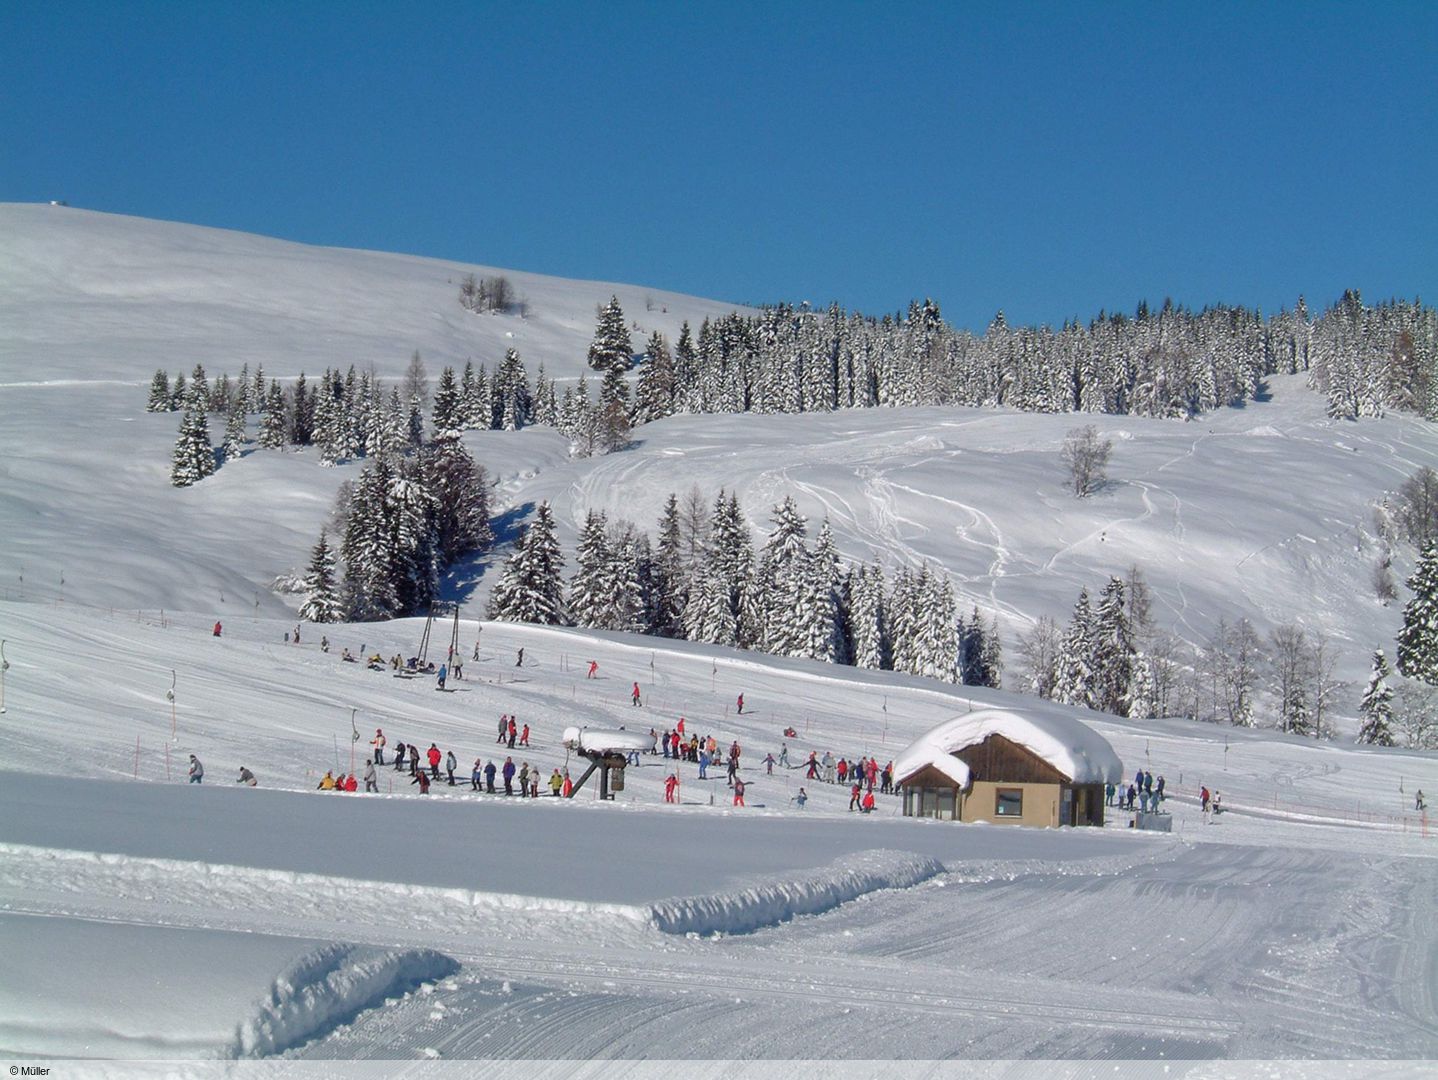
1418, 640
235, 432
160, 400
1376, 708
322, 601
587, 600
273, 426
531, 587
867, 619
655, 396
445, 416
1113, 651
460, 490
671, 579
1075, 679
194, 457
612, 347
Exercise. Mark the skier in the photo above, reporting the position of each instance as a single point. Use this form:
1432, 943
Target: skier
671, 783
297, 634
812, 771
534, 783
513, 732
247, 777
856, 794
489, 771
197, 771
769, 764
503, 728
519, 659
217, 628
733, 777
450, 764
801, 798
741, 704
399, 751
703, 764
378, 743
679, 727
434, 757
593, 670
509, 776
524, 736
443, 674
1158, 793
738, 792
634, 694
1418, 803
370, 782
843, 770
477, 776
476, 650
324, 643
869, 801
568, 789
524, 780
422, 779
555, 783
1203, 797
784, 755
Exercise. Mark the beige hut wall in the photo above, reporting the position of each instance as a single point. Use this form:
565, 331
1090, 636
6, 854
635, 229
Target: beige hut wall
1041, 804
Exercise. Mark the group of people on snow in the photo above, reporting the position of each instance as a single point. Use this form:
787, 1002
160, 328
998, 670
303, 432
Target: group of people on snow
1143, 794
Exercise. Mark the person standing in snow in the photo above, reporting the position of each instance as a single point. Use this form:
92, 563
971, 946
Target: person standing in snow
434, 758
555, 783
503, 728
297, 633
508, 773
634, 694
217, 628
784, 755
801, 798
371, 783
1418, 803
653, 743
476, 777
1108, 793
671, 784
738, 792
450, 764
855, 796
513, 732
197, 771
1158, 793
378, 743
443, 674
769, 764
741, 704
593, 671
733, 777
568, 788
1203, 798
1132, 794
399, 749
519, 658
812, 766
489, 771
829, 767
524, 780
524, 736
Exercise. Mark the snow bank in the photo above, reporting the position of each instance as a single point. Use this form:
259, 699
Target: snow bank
1070, 746
779, 899
328, 987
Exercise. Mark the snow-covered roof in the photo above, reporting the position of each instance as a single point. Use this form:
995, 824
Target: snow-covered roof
1069, 745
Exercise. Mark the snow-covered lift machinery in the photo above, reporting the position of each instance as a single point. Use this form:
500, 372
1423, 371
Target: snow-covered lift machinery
607, 751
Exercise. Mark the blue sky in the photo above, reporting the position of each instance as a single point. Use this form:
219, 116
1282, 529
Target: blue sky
1046, 159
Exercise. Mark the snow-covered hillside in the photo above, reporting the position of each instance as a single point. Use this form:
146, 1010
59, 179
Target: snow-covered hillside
144, 917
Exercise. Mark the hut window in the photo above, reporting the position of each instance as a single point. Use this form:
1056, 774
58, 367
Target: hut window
1009, 802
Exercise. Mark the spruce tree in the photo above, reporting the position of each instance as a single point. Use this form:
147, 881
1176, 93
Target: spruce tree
613, 415
322, 601
273, 425
612, 347
671, 584
1376, 708
587, 599
655, 396
1418, 640
368, 547
445, 417
415, 565
235, 433
531, 587
194, 457
460, 491
1113, 651
160, 400
867, 619
1075, 681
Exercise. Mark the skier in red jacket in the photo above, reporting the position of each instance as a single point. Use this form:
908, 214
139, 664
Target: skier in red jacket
434, 757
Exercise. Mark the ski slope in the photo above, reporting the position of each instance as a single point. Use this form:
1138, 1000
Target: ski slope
144, 918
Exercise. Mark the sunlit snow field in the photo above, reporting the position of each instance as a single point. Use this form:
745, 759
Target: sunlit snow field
221, 921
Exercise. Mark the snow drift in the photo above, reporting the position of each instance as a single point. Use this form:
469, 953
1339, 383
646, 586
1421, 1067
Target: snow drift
774, 900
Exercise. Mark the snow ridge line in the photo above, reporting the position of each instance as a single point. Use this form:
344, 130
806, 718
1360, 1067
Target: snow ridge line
751, 905
328, 987
770, 901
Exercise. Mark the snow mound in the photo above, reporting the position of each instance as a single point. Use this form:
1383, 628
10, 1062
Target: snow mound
1070, 746
328, 987
770, 901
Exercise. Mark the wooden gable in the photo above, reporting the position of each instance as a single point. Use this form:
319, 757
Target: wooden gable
1002, 761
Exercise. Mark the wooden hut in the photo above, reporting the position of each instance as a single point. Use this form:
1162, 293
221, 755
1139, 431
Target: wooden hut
1003, 766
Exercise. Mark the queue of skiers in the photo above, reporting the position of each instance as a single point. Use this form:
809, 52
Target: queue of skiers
1142, 794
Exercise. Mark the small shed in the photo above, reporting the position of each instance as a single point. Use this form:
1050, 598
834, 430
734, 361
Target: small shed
1000, 765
